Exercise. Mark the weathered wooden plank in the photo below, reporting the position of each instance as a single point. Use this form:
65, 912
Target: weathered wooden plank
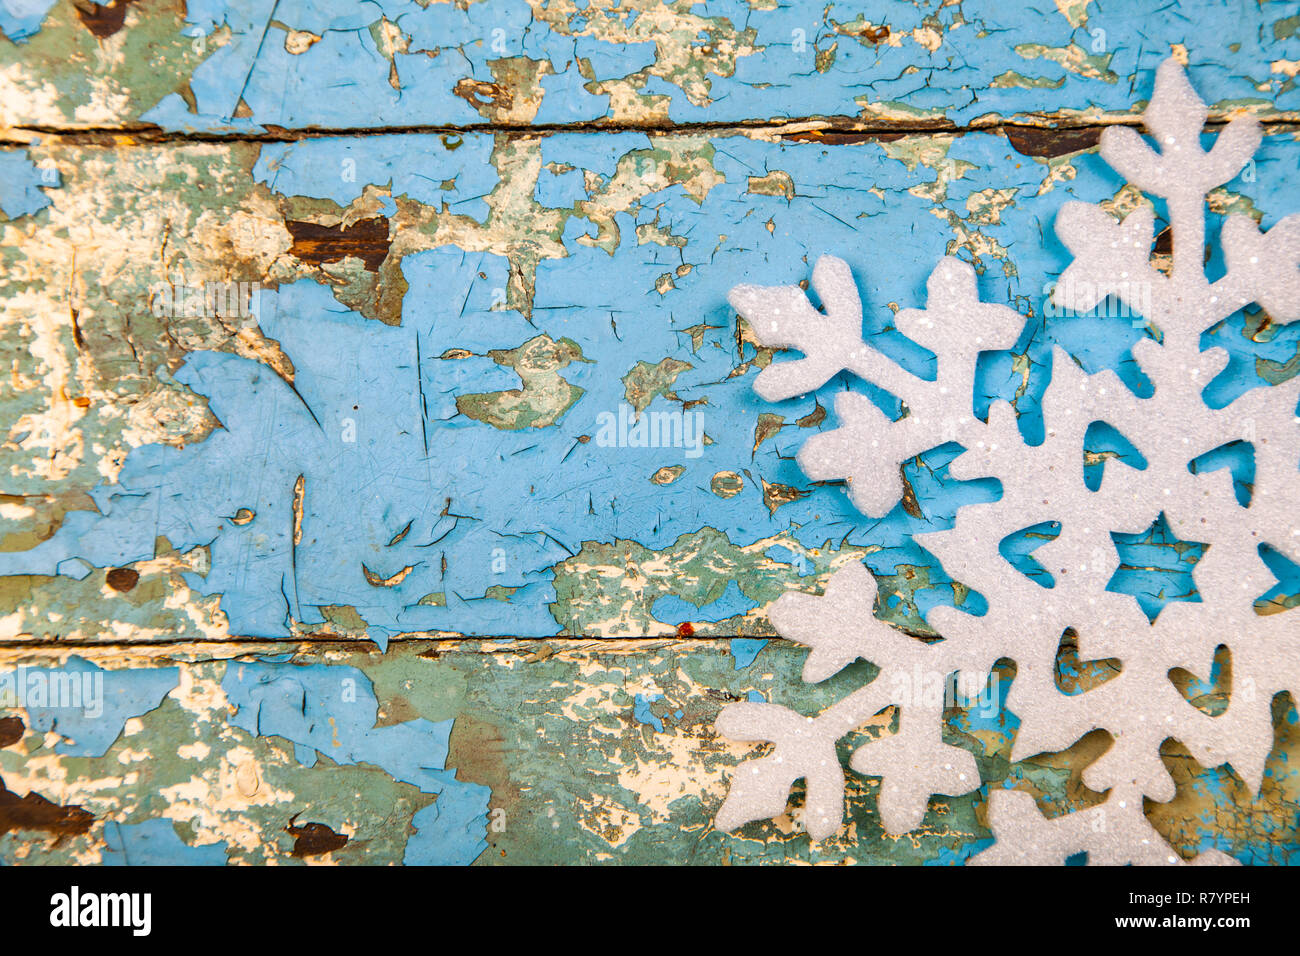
247, 65
563, 751
400, 411
429, 421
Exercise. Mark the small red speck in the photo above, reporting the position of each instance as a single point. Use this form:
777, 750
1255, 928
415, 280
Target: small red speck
685, 629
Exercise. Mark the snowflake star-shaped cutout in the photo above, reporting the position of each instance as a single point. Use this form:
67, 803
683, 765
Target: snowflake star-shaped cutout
1045, 484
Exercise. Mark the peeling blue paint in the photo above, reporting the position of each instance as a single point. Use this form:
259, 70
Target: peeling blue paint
344, 79
746, 649
732, 602
332, 709
155, 843
22, 183
782, 555
537, 497
437, 170
1156, 567
642, 713
958, 857
21, 19
450, 831
85, 704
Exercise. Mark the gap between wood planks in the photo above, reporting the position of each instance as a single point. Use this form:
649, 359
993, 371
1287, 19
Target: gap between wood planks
835, 129
196, 650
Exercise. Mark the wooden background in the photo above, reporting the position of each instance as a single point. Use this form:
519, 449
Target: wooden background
359, 574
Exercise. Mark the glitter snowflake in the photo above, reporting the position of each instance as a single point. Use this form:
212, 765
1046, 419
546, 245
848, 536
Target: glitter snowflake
1025, 621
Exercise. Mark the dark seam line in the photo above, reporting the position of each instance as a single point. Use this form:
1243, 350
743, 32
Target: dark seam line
148, 134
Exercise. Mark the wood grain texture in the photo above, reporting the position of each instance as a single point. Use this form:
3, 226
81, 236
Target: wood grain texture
253, 65
593, 751
403, 325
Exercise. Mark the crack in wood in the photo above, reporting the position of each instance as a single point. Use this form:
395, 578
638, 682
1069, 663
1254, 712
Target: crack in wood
825, 129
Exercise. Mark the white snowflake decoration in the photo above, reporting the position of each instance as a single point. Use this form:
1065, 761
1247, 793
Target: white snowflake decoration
1140, 707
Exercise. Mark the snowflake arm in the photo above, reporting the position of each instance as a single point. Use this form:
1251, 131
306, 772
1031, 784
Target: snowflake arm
782, 317
1181, 170
1120, 267
1109, 839
913, 763
868, 449
1262, 267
